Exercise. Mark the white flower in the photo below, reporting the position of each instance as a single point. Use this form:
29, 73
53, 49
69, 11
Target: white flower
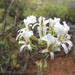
51, 22
28, 34
65, 47
67, 28
69, 43
68, 37
45, 51
24, 33
42, 22
57, 46
45, 30
41, 19
22, 47
45, 22
49, 39
51, 53
29, 47
60, 30
29, 20
21, 33
23, 43
55, 34
37, 24
54, 21
57, 20
40, 31
42, 28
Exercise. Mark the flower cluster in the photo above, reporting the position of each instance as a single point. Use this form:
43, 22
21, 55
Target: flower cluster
50, 31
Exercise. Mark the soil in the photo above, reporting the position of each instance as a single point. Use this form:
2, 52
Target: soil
60, 66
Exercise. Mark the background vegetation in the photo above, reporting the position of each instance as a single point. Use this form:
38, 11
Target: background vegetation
12, 13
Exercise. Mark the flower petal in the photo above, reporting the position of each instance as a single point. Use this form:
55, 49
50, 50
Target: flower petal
30, 19
45, 22
44, 30
49, 39
66, 26
28, 34
69, 43
21, 42
39, 31
29, 47
52, 55
65, 48
18, 36
45, 51
34, 25
21, 48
